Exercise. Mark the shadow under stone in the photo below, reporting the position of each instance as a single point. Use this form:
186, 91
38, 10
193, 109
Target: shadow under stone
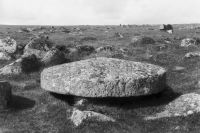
20, 103
132, 102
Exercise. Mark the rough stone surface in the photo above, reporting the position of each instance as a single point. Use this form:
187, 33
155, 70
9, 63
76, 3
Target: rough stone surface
5, 94
8, 45
184, 105
188, 42
104, 77
78, 117
12, 68
192, 54
4, 56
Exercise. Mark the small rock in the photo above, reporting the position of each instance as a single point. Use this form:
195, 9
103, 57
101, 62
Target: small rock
184, 105
141, 40
105, 48
78, 117
5, 94
135, 39
8, 45
12, 68
177, 128
188, 42
190, 112
193, 54
80, 103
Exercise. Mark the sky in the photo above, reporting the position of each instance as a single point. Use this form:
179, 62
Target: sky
98, 12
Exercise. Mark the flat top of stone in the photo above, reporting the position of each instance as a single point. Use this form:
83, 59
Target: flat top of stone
104, 77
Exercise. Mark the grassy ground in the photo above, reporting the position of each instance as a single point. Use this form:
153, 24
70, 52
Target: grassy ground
35, 110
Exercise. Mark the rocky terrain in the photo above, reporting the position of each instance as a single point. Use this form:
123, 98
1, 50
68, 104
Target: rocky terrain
101, 79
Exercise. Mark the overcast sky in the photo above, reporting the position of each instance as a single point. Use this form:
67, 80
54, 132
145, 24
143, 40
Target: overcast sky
98, 12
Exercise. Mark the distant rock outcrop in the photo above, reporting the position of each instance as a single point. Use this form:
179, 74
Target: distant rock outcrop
104, 77
167, 28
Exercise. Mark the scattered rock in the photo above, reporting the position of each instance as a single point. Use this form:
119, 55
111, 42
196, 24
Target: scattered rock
4, 56
188, 42
104, 77
22, 65
8, 45
184, 105
5, 94
193, 54
53, 57
80, 102
141, 40
12, 69
38, 46
78, 117
105, 48
135, 39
